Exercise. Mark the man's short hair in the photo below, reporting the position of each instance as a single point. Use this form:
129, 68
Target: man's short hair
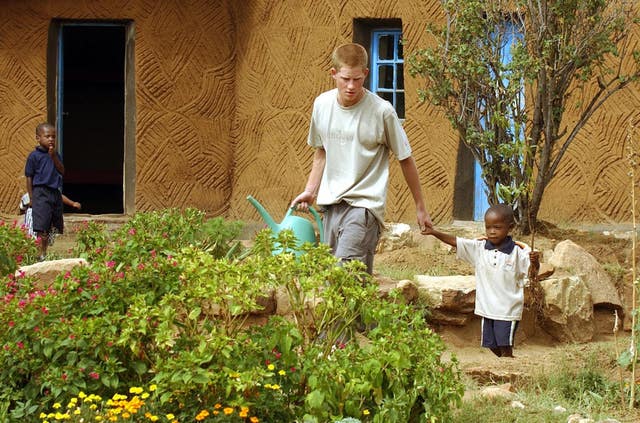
350, 54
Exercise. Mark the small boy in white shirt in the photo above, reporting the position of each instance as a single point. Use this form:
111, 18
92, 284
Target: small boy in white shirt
501, 266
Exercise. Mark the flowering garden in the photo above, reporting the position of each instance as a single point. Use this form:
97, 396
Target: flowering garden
167, 324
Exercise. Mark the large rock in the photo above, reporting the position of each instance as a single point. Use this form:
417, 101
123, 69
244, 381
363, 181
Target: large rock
568, 311
45, 272
575, 260
453, 297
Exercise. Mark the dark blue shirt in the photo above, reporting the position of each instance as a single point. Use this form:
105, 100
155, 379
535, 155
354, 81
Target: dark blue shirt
42, 170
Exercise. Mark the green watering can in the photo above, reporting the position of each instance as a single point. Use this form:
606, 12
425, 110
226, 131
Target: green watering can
302, 228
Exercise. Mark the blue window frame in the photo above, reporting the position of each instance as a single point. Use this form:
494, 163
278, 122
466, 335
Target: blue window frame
387, 67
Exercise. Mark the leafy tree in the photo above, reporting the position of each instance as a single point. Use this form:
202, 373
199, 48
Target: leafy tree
505, 71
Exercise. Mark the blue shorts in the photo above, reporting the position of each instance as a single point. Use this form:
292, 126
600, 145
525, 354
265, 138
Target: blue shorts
498, 333
47, 209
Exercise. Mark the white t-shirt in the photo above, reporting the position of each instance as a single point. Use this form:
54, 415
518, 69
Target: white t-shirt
357, 140
500, 278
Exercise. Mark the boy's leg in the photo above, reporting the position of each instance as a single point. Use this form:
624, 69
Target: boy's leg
505, 332
488, 337
41, 212
498, 336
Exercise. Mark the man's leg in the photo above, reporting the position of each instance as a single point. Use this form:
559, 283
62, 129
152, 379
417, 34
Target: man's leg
352, 233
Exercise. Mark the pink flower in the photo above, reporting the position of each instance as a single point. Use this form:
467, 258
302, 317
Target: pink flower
20, 344
64, 376
111, 263
12, 323
132, 231
140, 266
94, 375
153, 253
45, 310
18, 259
72, 336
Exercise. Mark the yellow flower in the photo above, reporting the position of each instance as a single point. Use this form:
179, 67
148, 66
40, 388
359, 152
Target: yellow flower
153, 388
217, 406
82, 395
254, 419
98, 418
93, 406
365, 412
227, 410
135, 390
145, 395
282, 373
202, 415
275, 387
43, 415
271, 367
170, 416
57, 405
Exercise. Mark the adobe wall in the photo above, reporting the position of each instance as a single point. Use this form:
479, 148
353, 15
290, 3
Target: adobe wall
283, 62
224, 91
184, 61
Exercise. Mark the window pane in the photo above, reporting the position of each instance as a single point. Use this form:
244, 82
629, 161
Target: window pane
385, 76
400, 76
400, 104
386, 95
400, 50
385, 48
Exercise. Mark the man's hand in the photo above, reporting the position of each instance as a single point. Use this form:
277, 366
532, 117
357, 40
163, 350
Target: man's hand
303, 201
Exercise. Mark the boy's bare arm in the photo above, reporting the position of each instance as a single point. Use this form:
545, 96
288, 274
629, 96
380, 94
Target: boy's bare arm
444, 237
56, 161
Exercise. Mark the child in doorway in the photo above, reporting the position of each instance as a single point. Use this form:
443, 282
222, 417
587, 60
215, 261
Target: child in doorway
44, 171
25, 208
501, 265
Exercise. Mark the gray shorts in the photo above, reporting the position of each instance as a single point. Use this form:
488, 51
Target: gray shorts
351, 232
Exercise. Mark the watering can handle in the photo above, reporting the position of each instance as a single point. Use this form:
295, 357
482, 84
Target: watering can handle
316, 215
318, 222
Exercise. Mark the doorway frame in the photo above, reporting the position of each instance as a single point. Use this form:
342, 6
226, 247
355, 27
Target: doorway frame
54, 65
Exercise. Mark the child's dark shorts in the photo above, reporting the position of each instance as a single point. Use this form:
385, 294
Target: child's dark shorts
47, 209
498, 333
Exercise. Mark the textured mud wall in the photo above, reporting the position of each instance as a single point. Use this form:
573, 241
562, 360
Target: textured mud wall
283, 63
184, 67
224, 91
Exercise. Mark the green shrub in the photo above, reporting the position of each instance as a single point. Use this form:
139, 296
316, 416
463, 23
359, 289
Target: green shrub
16, 247
165, 303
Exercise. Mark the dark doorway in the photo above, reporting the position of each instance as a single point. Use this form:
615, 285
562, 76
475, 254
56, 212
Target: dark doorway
91, 114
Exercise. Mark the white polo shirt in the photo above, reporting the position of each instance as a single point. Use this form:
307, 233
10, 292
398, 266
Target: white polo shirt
500, 277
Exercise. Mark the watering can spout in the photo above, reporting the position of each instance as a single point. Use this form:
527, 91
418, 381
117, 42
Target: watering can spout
265, 215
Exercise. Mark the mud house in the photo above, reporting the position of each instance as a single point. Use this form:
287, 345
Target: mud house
199, 103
